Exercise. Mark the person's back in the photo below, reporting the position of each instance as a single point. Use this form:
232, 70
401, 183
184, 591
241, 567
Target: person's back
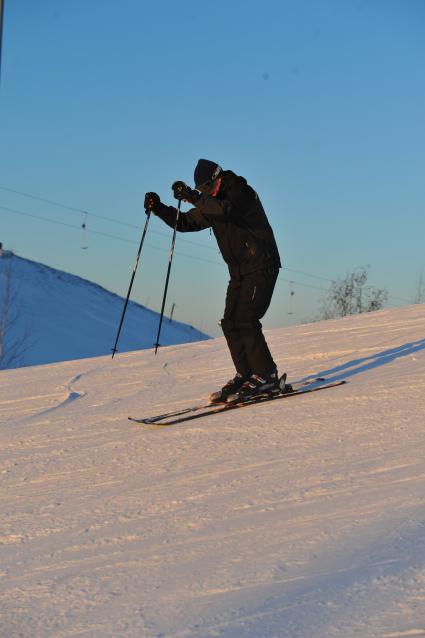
245, 238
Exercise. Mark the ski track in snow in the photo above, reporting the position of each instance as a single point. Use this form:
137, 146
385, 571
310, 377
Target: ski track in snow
71, 396
299, 521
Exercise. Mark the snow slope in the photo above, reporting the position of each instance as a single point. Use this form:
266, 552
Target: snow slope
298, 518
66, 317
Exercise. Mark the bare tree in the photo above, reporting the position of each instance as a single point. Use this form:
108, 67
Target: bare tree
12, 347
351, 295
419, 296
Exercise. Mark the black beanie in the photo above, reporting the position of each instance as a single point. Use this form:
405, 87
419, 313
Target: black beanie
206, 170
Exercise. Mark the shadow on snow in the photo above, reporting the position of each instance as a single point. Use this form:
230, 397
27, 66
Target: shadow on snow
358, 366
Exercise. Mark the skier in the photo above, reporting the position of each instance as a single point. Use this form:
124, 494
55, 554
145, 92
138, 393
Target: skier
226, 203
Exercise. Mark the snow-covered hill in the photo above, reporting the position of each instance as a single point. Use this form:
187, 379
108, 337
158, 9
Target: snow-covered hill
299, 518
57, 316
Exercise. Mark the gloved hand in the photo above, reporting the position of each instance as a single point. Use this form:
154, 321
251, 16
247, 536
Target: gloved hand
183, 191
152, 202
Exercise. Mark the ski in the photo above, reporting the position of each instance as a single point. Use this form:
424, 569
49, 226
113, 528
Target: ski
196, 412
204, 406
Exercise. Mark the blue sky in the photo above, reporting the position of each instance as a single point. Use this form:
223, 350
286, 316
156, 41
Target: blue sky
319, 104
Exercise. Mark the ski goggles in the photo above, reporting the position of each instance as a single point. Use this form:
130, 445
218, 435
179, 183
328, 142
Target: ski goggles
207, 187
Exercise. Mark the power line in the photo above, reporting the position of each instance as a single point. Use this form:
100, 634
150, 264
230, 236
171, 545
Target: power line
96, 215
101, 234
128, 225
307, 274
202, 259
122, 223
300, 272
131, 241
41, 199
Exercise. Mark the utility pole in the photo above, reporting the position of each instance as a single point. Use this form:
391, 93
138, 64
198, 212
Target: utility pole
1, 29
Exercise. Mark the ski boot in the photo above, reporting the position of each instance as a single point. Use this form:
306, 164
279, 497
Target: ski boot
230, 388
255, 386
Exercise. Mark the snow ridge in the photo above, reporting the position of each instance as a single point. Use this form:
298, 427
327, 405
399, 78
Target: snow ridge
62, 317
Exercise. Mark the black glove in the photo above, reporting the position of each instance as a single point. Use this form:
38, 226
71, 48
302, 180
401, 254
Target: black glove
183, 191
152, 202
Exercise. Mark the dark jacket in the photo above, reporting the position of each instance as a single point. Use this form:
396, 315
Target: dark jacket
238, 221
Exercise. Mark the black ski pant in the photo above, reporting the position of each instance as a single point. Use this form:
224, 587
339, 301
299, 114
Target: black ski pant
248, 298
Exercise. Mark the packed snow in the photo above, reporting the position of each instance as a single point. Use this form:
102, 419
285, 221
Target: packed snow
56, 316
297, 518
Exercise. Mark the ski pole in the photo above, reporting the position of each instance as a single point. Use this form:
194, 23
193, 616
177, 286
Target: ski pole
168, 275
148, 214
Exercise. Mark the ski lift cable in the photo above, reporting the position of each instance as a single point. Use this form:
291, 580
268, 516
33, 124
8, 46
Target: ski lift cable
97, 216
129, 225
196, 258
102, 234
182, 239
131, 241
